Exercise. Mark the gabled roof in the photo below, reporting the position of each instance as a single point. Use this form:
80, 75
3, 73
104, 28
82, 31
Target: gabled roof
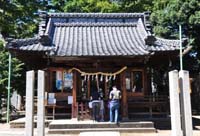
94, 34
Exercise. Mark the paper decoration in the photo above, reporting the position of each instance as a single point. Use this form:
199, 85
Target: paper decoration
51, 98
70, 99
68, 80
101, 78
114, 77
128, 83
59, 84
58, 75
59, 80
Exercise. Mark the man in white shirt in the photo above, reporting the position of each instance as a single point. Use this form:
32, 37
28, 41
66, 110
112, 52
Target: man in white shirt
115, 96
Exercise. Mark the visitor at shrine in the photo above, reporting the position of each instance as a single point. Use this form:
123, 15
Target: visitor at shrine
115, 96
95, 98
101, 105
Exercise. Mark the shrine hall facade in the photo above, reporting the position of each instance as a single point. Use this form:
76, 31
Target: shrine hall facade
81, 52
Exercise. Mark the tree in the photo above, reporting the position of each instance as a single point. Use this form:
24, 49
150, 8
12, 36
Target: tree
104, 6
18, 18
135, 5
91, 6
167, 15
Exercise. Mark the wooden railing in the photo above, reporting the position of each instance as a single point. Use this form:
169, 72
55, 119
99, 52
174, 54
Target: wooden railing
148, 106
83, 111
61, 109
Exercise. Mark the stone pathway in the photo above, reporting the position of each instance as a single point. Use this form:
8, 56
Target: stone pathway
99, 134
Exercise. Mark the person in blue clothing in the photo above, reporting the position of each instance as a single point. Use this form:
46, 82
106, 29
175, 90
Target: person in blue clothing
115, 96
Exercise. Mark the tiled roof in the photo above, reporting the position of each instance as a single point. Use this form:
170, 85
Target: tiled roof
98, 40
164, 45
96, 15
29, 44
94, 34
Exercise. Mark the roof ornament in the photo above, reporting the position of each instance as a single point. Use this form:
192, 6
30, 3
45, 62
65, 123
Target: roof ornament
150, 39
44, 38
147, 22
42, 24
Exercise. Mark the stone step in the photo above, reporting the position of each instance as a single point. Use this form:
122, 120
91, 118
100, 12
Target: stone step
121, 130
67, 124
104, 133
20, 123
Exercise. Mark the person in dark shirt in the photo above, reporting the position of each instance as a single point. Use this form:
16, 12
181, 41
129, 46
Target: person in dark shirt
95, 98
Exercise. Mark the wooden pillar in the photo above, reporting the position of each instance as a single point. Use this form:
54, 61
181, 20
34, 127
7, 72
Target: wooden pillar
74, 90
88, 88
124, 97
50, 80
145, 82
106, 90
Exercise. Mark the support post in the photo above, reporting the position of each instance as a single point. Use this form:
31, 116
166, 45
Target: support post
185, 103
181, 52
29, 126
8, 97
40, 104
74, 104
124, 97
174, 104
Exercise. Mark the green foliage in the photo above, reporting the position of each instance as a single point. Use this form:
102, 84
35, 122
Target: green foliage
135, 5
104, 6
18, 18
168, 14
17, 77
90, 6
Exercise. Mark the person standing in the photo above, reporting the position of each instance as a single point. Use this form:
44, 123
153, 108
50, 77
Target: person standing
115, 96
95, 98
101, 105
